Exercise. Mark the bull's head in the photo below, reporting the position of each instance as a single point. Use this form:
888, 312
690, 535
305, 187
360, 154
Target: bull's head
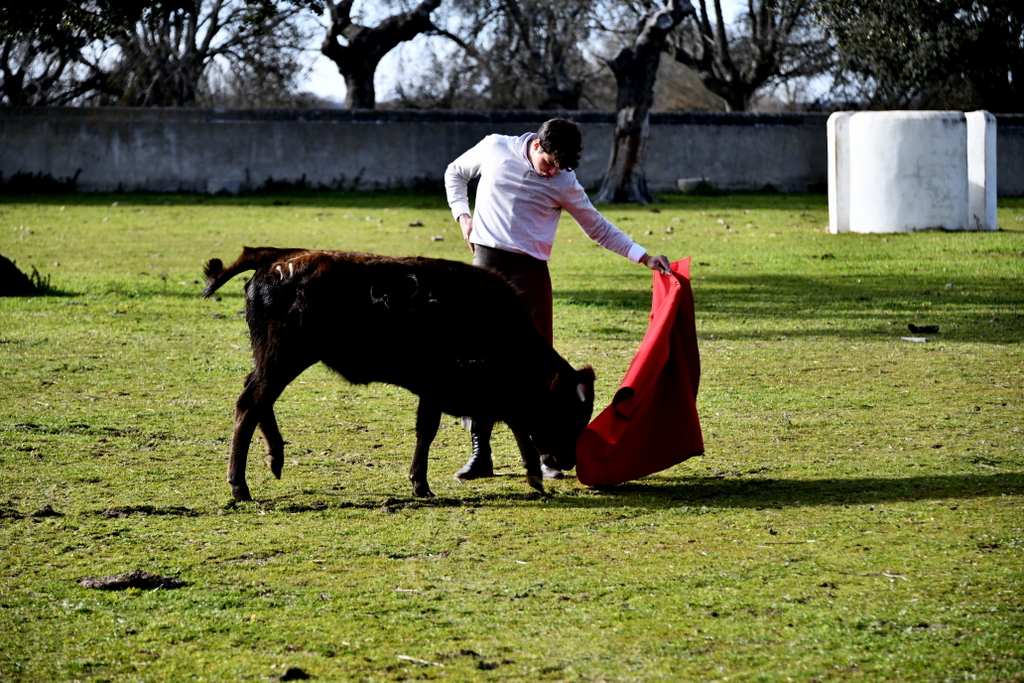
569, 407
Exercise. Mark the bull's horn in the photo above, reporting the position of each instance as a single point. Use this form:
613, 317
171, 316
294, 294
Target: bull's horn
581, 391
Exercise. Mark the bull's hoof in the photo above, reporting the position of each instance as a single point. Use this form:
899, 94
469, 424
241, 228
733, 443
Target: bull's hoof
535, 481
421, 489
275, 465
240, 492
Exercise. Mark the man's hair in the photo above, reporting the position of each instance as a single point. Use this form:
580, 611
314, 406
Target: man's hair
562, 139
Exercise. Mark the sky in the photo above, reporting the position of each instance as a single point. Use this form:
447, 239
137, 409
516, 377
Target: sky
324, 80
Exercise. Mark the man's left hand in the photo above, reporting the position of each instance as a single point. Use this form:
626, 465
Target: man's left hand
660, 264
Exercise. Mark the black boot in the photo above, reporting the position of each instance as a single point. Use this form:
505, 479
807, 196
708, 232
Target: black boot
479, 464
550, 472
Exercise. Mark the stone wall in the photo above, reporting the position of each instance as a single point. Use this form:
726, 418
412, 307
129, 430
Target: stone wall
213, 149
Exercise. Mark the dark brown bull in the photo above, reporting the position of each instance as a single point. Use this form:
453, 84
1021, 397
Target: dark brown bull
454, 334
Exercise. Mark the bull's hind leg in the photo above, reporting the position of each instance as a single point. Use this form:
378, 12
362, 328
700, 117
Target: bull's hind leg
255, 406
246, 419
428, 418
274, 442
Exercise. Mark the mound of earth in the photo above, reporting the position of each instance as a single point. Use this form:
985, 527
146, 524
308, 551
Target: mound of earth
13, 282
133, 579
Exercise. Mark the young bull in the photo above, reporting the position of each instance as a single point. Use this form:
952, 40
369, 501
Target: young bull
454, 334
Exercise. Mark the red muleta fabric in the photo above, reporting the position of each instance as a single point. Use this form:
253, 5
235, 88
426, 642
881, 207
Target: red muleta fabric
652, 422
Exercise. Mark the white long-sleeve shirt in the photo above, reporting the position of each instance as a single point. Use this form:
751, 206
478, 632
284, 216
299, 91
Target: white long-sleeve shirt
516, 209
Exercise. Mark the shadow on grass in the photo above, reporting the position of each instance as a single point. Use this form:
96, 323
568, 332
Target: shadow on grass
973, 308
49, 291
668, 491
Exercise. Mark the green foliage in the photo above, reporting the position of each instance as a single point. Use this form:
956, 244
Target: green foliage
152, 53
857, 515
930, 54
39, 41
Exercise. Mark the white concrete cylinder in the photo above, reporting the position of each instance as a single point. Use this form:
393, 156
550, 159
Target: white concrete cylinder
981, 169
838, 128
908, 171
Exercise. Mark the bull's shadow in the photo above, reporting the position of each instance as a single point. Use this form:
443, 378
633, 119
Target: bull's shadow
665, 491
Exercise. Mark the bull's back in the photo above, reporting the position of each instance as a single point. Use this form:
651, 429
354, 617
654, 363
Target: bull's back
443, 328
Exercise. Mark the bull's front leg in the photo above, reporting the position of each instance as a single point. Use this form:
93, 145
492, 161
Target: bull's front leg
530, 456
428, 418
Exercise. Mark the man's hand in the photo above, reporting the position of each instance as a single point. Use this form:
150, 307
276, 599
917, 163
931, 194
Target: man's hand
657, 263
466, 223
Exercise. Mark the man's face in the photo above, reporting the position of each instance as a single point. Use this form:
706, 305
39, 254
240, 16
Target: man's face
543, 162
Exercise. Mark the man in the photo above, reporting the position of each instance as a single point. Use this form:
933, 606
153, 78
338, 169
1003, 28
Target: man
525, 182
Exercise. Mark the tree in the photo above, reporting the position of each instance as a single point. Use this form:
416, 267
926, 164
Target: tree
153, 52
934, 54
441, 80
164, 58
365, 46
774, 41
262, 76
635, 68
42, 42
536, 58
512, 54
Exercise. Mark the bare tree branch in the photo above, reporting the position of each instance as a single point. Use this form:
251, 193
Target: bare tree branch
773, 41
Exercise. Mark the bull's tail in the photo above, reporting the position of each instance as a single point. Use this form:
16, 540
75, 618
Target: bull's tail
252, 258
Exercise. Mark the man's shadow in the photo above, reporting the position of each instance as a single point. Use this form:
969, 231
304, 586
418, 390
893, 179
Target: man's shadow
675, 490
664, 491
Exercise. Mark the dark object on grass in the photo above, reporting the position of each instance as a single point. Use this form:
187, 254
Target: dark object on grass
923, 329
13, 282
294, 673
454, 334
129, 510
133, 579
46, 511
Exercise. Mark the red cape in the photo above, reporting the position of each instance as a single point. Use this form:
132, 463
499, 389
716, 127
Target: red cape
652, 422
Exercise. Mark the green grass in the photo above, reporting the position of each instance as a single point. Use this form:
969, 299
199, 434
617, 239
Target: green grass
858, 515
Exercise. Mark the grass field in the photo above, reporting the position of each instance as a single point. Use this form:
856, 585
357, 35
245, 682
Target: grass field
858, 514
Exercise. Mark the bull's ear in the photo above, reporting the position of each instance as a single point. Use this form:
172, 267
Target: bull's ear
587, 374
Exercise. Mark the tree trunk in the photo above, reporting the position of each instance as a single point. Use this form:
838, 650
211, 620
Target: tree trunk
359, 90
635, 68
357, 60
624, 180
